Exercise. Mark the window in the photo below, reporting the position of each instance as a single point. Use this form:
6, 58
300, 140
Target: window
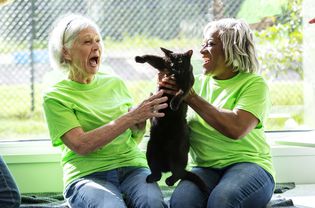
284, 39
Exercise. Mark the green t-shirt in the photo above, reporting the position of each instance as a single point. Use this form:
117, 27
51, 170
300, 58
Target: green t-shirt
210, 148
70, 104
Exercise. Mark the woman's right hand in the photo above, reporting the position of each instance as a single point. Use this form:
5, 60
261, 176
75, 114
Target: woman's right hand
149, 108
168, 83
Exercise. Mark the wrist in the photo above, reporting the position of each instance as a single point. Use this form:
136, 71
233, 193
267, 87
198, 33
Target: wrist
191, 97
129, 119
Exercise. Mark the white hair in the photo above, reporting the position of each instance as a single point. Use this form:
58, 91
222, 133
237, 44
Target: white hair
65, 31
238, 43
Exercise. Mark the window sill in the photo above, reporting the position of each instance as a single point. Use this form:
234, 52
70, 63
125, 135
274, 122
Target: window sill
282, 143
292, 138
29, 151
292, 154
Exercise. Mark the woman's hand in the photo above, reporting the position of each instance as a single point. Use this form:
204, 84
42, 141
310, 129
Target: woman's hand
149, 108
167, 83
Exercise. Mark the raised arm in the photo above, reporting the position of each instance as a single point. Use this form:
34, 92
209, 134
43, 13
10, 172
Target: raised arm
234, 124
86, 142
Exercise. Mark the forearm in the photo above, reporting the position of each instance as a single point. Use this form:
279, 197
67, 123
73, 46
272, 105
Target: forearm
86, 142
224, 121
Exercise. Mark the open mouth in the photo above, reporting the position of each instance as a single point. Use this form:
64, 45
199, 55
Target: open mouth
94, 61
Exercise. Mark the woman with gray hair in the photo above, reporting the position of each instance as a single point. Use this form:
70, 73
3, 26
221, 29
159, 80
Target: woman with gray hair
91, 118
230, 104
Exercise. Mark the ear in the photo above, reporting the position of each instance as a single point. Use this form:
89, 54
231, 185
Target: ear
66, 54
166, 51
189, 53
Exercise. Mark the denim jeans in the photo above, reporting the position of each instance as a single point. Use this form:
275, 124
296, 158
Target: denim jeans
9, 193
122, 187
242, 185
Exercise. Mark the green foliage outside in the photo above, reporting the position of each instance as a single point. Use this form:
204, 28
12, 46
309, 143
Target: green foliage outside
280, 46
21, 124
280, 52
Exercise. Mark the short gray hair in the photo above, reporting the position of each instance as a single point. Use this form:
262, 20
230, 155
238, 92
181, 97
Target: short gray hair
65, 31
238, 43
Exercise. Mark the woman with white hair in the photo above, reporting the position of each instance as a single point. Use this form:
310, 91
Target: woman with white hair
230, 104
91, 118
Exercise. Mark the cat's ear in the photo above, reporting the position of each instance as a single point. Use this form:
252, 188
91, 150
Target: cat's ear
166, 51
189, 53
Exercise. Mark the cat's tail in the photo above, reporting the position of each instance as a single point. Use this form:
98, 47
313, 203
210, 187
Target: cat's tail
198, 181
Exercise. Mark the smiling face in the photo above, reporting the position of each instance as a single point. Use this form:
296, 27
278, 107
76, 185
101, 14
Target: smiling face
85, 55
213, 56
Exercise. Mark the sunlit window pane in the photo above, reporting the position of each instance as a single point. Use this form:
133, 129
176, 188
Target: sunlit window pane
135, 27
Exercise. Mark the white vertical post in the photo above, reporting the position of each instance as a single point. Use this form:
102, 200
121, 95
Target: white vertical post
309, 63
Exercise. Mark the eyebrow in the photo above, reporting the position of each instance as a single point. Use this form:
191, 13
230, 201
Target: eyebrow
90, 36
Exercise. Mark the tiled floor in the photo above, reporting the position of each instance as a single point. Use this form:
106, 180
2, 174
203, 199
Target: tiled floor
303, 195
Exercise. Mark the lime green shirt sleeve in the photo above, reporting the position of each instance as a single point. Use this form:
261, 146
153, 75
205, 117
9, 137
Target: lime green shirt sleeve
60, 119
255, 99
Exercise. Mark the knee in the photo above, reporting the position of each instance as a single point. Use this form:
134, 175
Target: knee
186, 196
15, 200
157, 203
151, 202
223, 198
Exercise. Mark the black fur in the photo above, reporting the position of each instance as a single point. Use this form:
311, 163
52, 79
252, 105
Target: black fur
168, 146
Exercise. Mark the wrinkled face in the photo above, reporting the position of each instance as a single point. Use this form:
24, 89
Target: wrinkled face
85, 54
213, 54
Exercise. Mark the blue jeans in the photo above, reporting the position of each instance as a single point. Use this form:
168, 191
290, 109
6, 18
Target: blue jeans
122, 187
9, 192
242, 185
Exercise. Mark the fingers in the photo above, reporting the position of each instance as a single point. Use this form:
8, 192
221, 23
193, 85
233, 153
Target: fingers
158, 94
168, 86
155, 110
158, 107
168, 83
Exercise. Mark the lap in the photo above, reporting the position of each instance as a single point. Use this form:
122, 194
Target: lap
122, 187
94, 193
139, 193
243, 184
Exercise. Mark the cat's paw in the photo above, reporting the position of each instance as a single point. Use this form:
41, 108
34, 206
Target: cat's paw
139, 59
169, 181
152, 178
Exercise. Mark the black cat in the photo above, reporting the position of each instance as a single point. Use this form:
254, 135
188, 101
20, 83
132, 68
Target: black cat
168, 146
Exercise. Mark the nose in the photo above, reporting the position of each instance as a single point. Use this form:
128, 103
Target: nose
96, 45
203, 49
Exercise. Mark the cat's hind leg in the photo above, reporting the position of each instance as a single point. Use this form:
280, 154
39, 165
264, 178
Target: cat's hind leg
156, 172
177, 167
154, 161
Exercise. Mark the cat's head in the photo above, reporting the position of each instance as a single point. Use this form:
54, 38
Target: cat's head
179, 65
173, 64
